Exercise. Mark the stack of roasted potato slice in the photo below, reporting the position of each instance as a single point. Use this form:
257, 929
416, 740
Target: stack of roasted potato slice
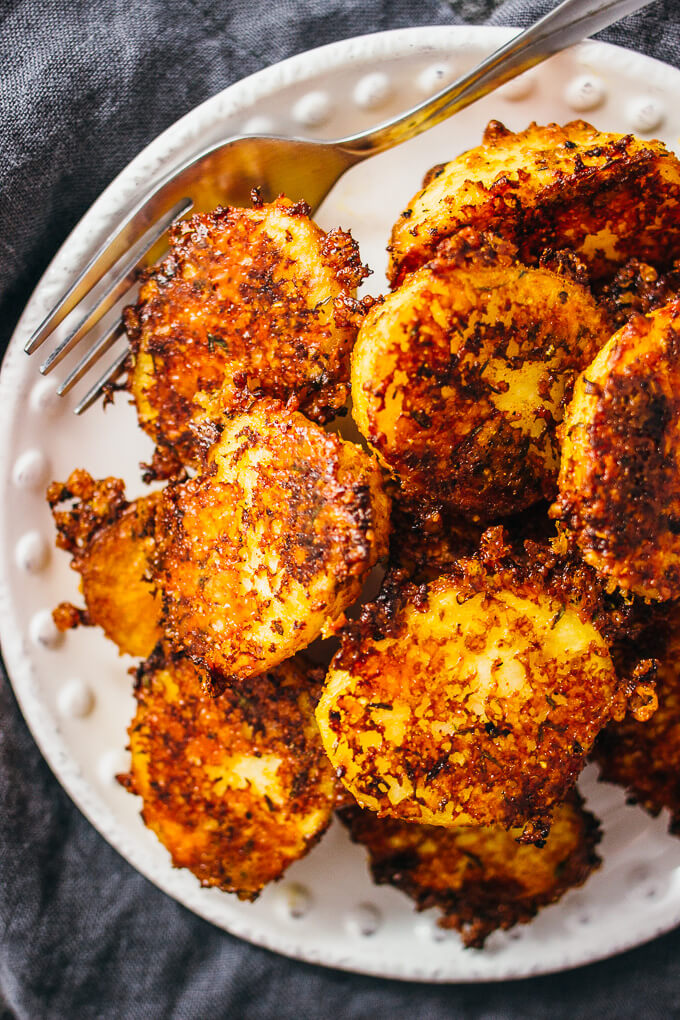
517, 392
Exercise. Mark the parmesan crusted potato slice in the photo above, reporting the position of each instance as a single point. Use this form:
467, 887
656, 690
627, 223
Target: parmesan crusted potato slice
459, 377
476, 708
644, 757
111, 542
236, 789
608, 197
259, 293
481, 879
266, 549
619, 481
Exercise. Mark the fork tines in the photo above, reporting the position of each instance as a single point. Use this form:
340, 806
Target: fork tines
115, 267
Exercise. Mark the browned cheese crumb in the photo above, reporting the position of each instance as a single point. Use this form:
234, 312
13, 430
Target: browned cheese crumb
644, 757
637, 289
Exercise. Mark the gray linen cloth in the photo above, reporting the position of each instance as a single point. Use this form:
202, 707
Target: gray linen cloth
83, 87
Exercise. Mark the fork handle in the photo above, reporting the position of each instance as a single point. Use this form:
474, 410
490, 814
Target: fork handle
570, 22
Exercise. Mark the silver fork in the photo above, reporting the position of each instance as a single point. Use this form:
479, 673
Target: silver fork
299, 168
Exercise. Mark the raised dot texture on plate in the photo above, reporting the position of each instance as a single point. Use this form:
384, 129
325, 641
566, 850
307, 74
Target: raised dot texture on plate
578, 911
518, 88
645, 884
294, 900
427, 929
44, 631
259, 125
75, 700
364, 919
646, 114
313, 110
372, 91
435, 77
32, 552
30, 470
44, 398
585, 93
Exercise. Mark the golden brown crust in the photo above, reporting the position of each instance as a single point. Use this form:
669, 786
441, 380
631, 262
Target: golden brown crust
258, 294
619, 481
112, 542
644, 757
236, 789
94, 505
459, 377
473, 700
530, 548
637, 289
425, 544
267, 548
608, 197
481, 879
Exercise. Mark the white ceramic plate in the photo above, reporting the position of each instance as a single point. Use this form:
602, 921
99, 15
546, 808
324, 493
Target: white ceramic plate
75, 691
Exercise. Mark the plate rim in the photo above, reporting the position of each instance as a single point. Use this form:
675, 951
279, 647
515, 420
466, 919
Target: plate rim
21, 670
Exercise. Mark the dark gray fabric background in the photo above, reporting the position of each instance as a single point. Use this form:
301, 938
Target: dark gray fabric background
83, 87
